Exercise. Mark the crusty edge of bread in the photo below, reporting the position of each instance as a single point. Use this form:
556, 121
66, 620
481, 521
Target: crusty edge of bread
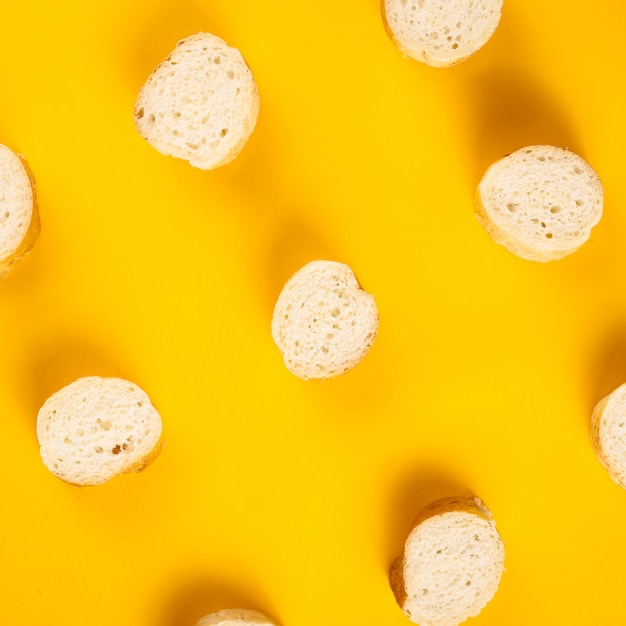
451, 504
32, 233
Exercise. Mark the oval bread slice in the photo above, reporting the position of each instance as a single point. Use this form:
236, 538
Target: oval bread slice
19, 216
200, 104
438, 33
236, 617
96, 428
451, 565
540, 202
608, 434
324, 323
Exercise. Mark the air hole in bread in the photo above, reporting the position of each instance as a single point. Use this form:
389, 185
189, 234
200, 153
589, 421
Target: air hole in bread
335, 312
230, 74
151, 118
512, 207
455, 46
67, 440
117, 449
556, 209
140, 113
98, 449
223, 132
217, 60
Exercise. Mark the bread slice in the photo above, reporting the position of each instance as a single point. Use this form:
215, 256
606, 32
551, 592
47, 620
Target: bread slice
438, 33
324, 323
200, 104
19, 216
236, 617
608, 434
96, 428
451, 564
540, 202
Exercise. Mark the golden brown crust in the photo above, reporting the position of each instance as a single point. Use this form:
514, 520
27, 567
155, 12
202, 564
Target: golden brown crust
452, 504
31, 235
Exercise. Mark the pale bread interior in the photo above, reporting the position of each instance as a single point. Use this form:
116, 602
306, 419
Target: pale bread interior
236, 617
19, 219
200, 104
440, 33
96, 428
324, 323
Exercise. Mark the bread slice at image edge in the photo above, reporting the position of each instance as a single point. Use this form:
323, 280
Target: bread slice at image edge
97, 428
236, 617
20, 224
451, 563
608, 434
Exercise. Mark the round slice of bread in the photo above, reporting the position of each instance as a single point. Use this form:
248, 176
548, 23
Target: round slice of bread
608, 434
236, 617
540, 202
439, 33
19, 216
200, 104
451, 565
96, 428
324, 323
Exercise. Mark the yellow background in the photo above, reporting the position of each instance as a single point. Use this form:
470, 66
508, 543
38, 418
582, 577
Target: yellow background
273, 493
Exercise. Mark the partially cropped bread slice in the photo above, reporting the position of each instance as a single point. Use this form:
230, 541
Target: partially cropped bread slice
608, 434
451, 565
19, 215
200, 104
440, 33
324, 323
236, 617
540, 202
96, 428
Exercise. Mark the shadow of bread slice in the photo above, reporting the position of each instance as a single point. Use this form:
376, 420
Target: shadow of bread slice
19, 216
451, 564
440, 34
608, 434
200, 104
97, 428
236, 617
540, 202
323, 322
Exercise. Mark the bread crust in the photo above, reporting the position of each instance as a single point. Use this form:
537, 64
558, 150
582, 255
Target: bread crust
32, 233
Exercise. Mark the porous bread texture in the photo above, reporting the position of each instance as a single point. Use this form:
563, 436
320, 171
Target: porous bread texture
440, 33
19, 216
96, 428
451, 565
540, 202
324, 323
236, 617
201, 104
608, 434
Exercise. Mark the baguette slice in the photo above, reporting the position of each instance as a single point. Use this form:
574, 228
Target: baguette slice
438, 33
200, 104
236, 617
324, 323
96, 428
451, 564
608, 434
19, 216
540, 202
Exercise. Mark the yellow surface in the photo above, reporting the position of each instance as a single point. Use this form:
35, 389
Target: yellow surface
272, 493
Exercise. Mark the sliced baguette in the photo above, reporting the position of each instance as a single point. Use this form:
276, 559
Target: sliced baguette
200, 104
451, 564
236, 617
97, 428
608, 434
324, 323
19, 215
540, 202
438, 33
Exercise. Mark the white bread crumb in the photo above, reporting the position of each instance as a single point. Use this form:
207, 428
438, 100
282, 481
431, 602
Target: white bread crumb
608, 434
200, 104
540, 202
451, 565
324, 323
96, 428
439, 33
19, 217
236, 617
